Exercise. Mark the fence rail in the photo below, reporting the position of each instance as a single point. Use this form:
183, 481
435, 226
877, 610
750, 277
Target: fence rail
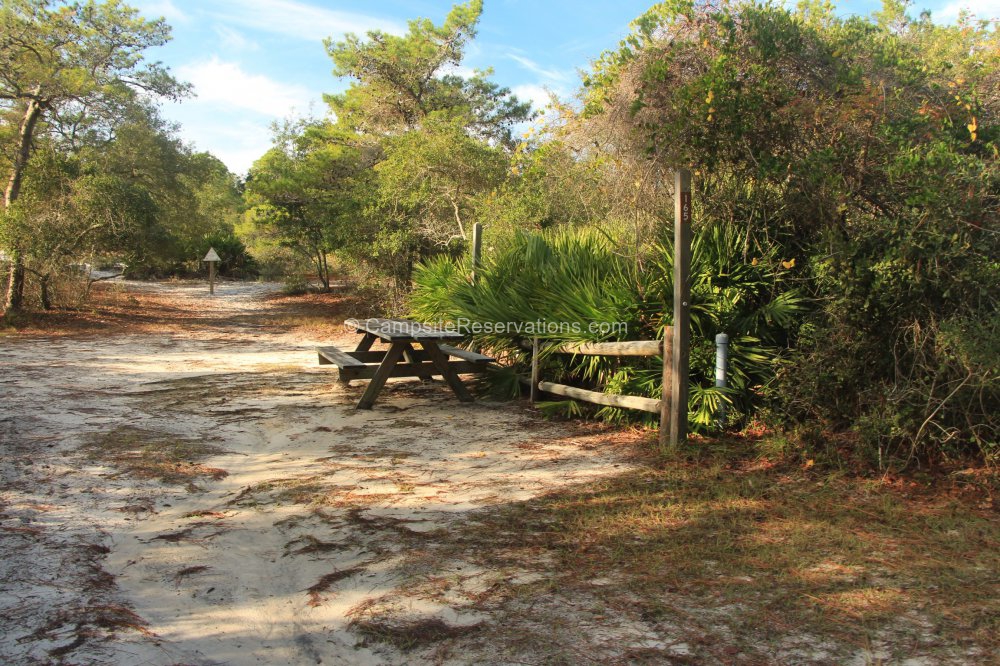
627, 348
674, 348
596, 397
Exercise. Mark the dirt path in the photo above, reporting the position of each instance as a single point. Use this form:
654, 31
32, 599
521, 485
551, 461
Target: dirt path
209, 495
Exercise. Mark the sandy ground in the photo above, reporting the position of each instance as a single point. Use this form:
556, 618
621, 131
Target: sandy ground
299, 529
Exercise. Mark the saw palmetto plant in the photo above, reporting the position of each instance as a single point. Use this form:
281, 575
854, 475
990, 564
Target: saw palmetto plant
571, 285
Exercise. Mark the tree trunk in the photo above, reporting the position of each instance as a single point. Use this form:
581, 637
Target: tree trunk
15, 288
43, 283
320, 270
326, 273
458, 218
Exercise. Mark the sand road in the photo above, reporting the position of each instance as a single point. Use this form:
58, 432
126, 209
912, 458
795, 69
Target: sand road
208, 494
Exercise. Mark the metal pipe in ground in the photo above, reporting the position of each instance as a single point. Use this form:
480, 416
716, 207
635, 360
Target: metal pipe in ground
721, 363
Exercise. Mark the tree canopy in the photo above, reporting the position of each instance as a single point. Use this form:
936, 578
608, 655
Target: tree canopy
70, 71
398, 81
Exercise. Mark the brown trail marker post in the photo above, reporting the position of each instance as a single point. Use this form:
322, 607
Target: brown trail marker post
211, 258
673, 408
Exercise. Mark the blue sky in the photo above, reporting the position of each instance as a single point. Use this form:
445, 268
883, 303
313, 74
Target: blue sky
252, 62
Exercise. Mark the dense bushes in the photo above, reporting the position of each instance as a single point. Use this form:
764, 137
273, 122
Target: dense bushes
867, 150
236, 261
854, 158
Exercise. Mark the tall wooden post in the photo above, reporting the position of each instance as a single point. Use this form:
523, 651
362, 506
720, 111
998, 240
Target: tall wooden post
682, 308
535, 348
477, 259
477, 249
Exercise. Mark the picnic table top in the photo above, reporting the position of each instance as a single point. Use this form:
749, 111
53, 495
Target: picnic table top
392, 330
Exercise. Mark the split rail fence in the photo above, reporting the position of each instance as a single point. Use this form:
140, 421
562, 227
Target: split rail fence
675, 346
663, 406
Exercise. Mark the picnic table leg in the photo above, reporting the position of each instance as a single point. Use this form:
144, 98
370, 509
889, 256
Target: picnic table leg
384, 370
441, 361
411, 357
366, 342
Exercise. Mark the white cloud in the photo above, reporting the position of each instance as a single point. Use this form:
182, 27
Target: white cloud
539, 96
228, 86
299, 19
233, 110
162, 8
232, 137
234, 40
239, 159
983, 9
459, 70
532, 66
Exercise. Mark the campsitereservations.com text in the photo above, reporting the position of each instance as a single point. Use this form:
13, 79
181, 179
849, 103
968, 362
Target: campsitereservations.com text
538, 327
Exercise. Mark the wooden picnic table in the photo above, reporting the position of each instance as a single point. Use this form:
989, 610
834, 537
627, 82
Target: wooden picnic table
401, 335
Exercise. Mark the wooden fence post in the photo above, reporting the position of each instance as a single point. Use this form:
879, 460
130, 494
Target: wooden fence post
682, 308
477, 249
667, 350
477, 259
534, 370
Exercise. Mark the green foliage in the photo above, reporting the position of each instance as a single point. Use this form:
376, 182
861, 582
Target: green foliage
236, 260
563, 284
867, 149
218, 204
398, 176
63, 216
295, 285
548, 185
72, 73
401, 80
139, 197
427, 187
81, 52
304, 194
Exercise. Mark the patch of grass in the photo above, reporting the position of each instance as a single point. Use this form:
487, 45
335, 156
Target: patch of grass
112, 617
315, 312
409, 635
356, 517
291, 490
217, 393
788, 550
204, 513
89, 622
147, 455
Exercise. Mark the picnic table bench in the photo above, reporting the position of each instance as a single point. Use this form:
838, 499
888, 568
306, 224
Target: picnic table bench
433, 357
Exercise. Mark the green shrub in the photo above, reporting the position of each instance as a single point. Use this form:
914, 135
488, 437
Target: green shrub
295, 285
236, 260
867, 148
573, 278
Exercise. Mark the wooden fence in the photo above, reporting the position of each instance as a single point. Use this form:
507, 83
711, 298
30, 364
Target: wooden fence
675, 346
631, 348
